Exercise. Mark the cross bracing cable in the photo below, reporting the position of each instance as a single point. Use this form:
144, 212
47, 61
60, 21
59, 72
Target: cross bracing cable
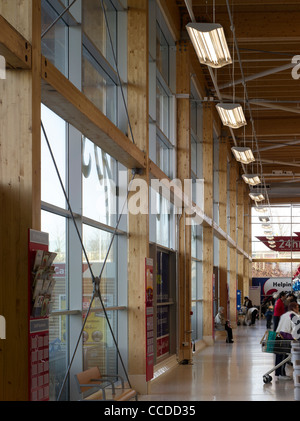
96, 280
57, 19
113, 53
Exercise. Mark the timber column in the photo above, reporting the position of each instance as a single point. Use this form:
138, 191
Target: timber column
240, 233
183, 82
223, 288
208, 240
232, 232
247, 244
20, 104
138, 225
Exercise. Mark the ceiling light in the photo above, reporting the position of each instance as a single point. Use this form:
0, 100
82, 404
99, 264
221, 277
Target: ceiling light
267, 226
272, 245
258, 197
209, 43
260, 209
268, 233
269, 237
232, 115
264, 218
252, 179
243, 154
271, 242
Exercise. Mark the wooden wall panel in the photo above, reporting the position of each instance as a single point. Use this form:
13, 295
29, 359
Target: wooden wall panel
138, 225
20, 196
223, 290
184, 173
207, 245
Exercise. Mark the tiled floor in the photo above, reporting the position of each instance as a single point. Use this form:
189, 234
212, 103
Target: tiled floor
226, 372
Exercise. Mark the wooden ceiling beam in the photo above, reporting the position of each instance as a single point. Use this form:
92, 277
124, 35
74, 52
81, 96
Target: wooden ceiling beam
64, 99
14, 47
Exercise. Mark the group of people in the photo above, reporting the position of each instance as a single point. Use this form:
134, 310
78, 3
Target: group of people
285, 308
278, 310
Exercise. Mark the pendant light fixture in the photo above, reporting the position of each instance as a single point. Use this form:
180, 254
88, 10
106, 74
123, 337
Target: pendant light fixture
260, 209
232, 115
269, 237
252, 179
257, 197
264, 219
243, 154
209, 43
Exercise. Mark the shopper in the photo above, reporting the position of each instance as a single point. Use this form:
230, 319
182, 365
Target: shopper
284, 328
251, 316
269, 315
222, 324
279, 309
247, 303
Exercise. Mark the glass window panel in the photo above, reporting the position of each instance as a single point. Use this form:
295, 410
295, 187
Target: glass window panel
194, 280
55, 128
96, 243
162, 156
163, 209
98, 184
95, 28
56, 225
162, 53
194, 155
58, 356
55, 42
98, 86
162, 109
98, 344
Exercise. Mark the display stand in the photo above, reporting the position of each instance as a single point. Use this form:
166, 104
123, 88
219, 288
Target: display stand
40, 286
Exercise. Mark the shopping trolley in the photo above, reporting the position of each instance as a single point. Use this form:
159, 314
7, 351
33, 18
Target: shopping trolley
273, 343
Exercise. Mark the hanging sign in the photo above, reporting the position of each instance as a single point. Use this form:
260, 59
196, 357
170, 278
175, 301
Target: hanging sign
149, 318
283, 243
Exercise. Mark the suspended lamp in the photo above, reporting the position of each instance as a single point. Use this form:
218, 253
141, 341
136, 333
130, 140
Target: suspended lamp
264, 218
232, 115
260, 209
258, 197
267, 226
270, 237
209, 43
272, 246
243, 154
252, 179
271, 242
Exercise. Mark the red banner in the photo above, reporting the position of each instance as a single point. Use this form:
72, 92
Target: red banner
283, 243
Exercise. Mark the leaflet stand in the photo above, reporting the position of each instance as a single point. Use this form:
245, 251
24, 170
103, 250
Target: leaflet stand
38, 338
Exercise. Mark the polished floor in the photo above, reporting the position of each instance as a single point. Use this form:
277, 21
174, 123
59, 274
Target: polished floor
226, 372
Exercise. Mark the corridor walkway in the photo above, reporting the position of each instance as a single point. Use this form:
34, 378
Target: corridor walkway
226, 372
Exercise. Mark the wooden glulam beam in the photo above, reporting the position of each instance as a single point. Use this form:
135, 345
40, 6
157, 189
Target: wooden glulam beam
14, 47
63, 98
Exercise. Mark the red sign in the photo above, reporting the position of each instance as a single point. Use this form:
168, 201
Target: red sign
283, 243
149, 318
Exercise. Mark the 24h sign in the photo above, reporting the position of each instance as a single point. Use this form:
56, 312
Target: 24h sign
283, 243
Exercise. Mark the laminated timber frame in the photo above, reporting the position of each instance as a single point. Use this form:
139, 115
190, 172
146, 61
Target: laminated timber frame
21, 49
